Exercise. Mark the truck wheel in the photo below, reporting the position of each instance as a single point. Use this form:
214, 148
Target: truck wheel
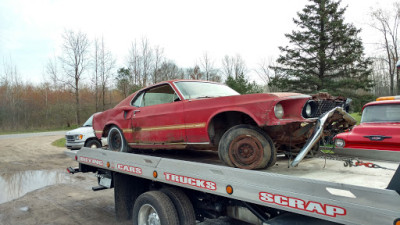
154, 207
247, 147
93, 143
182, 204
116, 141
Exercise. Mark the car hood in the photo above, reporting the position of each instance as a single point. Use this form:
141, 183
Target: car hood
80, 130
377, 128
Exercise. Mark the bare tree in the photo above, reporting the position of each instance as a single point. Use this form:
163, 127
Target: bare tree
195, 73
52, 69
107, 63
239, 66
12, 98
207, 65
233, 66
95, 78
264, 71
227, 66
158, 61
147, 60
387, 23
134, 62
74, 61
380, 76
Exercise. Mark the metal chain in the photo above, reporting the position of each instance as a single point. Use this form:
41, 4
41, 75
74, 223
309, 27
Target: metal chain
348, 161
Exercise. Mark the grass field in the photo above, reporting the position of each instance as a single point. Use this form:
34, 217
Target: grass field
356, 116
59, 142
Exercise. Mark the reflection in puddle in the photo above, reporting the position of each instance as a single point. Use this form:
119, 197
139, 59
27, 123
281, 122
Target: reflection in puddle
15, 185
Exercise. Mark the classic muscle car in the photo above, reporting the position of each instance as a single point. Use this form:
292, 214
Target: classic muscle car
379, 128
247, 130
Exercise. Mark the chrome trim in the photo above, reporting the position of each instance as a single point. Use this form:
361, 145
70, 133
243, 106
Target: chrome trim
177, 143
319, 128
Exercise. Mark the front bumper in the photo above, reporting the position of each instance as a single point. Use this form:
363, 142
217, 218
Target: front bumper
74, 145
326, 119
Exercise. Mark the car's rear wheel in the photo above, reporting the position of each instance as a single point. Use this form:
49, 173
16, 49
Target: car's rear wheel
116, 140
93, 144
247, 147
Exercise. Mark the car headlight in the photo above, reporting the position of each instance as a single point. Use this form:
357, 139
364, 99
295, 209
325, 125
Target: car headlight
339, 143
278, 110
309, 109
78, 137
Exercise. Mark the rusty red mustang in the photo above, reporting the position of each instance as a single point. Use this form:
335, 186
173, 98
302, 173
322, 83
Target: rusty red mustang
247, 130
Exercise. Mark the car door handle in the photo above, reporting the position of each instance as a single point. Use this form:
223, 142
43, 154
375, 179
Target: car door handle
135, 111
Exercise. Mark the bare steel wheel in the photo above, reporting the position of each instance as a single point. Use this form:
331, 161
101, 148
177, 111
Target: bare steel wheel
247, 147
154, 208
246, 150
116, 140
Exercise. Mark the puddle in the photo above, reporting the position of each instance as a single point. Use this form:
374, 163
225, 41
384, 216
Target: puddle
15, 185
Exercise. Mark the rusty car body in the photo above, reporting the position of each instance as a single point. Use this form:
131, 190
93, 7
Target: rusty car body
247, 130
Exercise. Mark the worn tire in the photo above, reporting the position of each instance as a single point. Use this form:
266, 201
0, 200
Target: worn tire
116, 140
247, 147
182, 204
93, 143
154, 205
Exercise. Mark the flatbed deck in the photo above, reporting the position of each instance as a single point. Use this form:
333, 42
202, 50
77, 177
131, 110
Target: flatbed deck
310, 168
317, 187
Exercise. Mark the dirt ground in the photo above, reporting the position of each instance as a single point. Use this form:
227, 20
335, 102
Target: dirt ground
69, 201
36, 189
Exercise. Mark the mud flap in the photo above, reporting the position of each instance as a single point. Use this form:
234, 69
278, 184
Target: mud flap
395, 182
126, 190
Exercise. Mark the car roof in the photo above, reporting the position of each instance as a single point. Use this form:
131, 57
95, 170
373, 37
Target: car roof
384, 102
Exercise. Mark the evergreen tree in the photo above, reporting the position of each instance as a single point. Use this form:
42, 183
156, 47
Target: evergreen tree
242, 85
325, 54
122, 78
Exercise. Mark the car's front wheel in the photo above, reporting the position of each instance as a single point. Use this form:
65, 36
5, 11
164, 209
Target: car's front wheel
116, 140
247, 147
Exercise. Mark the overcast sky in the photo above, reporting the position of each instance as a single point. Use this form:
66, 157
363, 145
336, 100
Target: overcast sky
30, 31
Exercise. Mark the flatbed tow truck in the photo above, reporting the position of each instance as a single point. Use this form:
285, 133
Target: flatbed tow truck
317, 188
182, 187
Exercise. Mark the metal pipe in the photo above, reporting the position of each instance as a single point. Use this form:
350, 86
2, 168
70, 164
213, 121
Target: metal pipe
318, 132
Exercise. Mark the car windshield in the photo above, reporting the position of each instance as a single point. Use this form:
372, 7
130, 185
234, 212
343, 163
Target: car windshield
194, 89
88, 122
381, 113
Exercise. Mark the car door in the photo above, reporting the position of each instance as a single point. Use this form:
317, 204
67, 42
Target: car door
158, 121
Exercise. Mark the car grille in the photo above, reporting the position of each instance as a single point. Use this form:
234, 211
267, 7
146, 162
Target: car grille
324, 106
70, 137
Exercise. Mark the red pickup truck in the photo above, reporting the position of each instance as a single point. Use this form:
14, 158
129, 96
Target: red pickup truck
247, 130
379, 128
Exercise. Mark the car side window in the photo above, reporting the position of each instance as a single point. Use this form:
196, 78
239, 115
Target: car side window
158, 95
139, 100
